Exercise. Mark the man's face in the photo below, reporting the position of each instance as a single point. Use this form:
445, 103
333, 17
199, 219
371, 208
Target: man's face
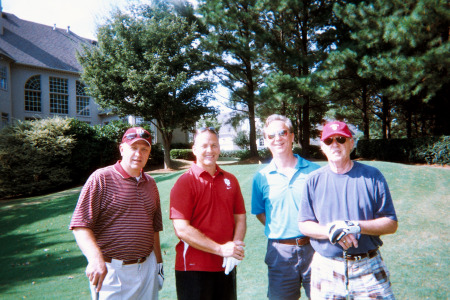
207, 149
278, 138
135, 156
337, 152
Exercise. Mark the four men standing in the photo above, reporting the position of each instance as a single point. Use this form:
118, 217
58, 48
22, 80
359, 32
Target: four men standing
342, 209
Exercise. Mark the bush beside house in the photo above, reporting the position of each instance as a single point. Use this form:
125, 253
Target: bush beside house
50, 154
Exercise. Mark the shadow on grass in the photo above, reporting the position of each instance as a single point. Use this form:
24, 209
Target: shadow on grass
36, 242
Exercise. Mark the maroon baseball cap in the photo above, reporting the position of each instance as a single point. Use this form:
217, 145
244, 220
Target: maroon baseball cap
335, 128
135, 134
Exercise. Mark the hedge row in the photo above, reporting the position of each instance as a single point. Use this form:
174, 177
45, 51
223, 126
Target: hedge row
430, 150
44, 155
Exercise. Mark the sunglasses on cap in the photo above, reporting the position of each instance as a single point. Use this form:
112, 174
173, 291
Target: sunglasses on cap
132, 136
281, 133
203, 129
339, 139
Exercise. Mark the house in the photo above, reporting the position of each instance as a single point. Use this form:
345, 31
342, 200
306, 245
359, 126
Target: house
227, 133
40, 75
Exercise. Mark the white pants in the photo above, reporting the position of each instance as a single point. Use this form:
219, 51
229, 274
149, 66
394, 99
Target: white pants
126, 282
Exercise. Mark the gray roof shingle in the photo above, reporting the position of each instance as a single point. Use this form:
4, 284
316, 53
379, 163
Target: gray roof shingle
40, 45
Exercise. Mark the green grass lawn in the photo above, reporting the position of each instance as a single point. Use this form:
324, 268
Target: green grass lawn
40, 259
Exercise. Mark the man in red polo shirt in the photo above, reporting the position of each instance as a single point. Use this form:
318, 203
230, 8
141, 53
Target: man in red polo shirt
208, 214
116, 224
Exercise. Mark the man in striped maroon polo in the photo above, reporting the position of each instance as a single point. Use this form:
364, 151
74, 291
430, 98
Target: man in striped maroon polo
116, 224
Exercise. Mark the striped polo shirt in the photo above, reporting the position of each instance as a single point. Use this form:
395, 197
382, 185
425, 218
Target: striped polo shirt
122, 212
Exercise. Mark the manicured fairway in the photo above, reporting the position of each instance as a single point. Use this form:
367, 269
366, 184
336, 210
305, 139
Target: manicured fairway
40, 259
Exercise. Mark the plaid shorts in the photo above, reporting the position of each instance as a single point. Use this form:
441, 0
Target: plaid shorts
368, 278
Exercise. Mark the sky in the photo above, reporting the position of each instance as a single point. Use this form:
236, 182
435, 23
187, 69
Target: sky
82, 16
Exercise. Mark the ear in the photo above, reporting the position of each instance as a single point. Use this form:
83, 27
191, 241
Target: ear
121, 149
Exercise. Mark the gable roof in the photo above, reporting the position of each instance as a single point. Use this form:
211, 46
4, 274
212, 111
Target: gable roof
38, 45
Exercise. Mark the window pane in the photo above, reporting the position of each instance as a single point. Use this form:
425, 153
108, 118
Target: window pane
3, 79
59, 95
33, 94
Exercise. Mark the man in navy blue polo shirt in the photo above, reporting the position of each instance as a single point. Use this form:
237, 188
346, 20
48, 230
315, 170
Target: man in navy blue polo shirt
345, 208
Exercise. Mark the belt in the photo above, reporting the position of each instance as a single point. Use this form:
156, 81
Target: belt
294, 242
126, 262
370, 254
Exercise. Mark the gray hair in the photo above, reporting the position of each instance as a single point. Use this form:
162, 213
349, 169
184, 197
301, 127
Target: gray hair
276, 117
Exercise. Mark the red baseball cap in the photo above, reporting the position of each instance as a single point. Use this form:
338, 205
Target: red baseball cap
135, 134
335, 128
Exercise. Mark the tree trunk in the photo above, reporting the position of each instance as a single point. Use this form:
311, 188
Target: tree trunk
365, 113
385, 114
252, 123
167, 141
305, 128
299, 125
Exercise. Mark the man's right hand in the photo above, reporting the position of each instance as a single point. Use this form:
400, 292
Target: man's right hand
234, 249
96, 272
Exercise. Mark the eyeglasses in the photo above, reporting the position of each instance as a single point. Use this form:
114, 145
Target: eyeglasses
339, 139
281, 133
132, 136
203, 129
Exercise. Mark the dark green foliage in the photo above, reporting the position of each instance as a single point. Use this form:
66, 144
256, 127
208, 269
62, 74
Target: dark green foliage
186, 154
314, 152
156, 155
417, 150
241, 140
147, 64
35, 156
45, 155
437, 152
181, 146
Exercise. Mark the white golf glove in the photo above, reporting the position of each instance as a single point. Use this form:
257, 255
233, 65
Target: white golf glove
338, 229
160, 276
229, 263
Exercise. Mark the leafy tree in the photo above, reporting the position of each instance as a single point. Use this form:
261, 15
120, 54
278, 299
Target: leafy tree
241, 140
394, 65
147, 64
233, 45
298, 37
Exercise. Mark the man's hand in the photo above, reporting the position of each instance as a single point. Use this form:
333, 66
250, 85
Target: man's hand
160, 276
234, 249
96, 272
339, 229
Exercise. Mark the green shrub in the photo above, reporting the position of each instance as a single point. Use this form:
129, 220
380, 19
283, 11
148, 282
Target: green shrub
35, 156
156, 155
397, 150
181, 146
186, 154
437, 152
44, 155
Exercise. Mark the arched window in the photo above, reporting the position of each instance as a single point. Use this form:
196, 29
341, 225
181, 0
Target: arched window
82, 100
33, 94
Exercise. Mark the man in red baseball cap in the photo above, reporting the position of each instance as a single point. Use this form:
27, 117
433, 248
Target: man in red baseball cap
346, 206
116, 224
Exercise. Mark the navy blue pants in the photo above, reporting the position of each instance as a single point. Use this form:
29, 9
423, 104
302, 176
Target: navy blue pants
197, 285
